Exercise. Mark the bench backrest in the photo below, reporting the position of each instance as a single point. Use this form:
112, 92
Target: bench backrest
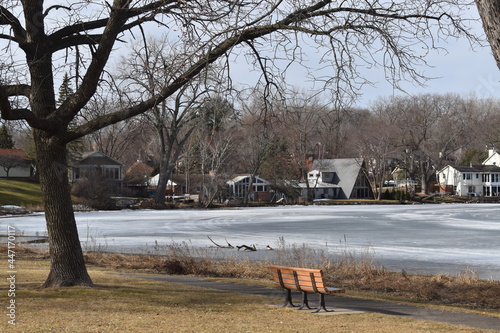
301, 279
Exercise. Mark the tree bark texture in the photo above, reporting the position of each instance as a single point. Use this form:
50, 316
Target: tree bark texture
490, 15
67, 263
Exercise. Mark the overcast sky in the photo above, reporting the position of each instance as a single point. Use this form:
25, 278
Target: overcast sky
462, 70
458, 69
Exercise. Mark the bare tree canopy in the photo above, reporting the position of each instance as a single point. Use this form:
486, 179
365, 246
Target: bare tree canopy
44, 39
490, 15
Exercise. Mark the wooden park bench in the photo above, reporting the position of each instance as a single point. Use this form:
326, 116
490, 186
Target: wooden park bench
304, 280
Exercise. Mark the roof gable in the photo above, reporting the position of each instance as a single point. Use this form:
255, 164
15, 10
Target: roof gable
347, 170
98, 158
243, 178
493, 159
14, 153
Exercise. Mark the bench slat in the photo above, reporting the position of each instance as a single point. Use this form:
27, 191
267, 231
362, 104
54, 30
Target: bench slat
284, 277
303, 282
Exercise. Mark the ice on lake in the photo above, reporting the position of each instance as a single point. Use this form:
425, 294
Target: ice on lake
444, 238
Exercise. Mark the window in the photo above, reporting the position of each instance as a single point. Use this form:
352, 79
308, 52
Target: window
111, 173
486, 191
260, 188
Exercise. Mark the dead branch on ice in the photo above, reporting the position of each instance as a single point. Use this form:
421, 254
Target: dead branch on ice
229, 246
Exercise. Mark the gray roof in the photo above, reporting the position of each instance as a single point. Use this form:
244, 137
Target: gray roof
477, 168
239, 178
97, 158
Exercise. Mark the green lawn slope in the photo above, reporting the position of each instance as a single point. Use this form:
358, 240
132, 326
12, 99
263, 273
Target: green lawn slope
19, 193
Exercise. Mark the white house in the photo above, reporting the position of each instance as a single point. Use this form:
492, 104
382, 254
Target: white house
493, 158
472, 180
340, 178
238, 187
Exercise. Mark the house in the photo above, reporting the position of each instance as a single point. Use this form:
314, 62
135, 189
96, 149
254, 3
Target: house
97, 164
15, 164
137, 179
400, 179
238, 188
341, 178
493, 158
185, 187
472, 180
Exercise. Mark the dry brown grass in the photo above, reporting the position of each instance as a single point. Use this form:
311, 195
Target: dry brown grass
354, 273
123, 304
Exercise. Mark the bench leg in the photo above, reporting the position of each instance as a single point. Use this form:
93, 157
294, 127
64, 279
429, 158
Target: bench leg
288, 300
305, 302
321, 304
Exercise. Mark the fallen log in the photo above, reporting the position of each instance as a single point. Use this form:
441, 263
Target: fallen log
246, 247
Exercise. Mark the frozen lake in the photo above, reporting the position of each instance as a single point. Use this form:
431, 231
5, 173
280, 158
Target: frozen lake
418, 238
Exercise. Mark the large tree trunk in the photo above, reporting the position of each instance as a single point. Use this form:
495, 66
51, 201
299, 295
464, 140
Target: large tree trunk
161, 187
490, 15
165, 171
67, 266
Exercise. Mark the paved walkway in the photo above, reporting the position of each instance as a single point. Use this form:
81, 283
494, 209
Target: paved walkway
343, 304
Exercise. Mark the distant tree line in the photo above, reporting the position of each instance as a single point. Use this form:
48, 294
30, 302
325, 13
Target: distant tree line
222, 136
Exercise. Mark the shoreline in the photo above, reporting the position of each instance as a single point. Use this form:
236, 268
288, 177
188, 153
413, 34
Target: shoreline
421, 239
413, 266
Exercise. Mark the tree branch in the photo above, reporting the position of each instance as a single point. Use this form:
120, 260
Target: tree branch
72, 105
375, 19
20, 114
71, 35
17, 90
6, 18
251, 33
55, 7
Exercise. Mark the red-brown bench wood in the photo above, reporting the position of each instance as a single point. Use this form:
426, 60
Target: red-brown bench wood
304, 280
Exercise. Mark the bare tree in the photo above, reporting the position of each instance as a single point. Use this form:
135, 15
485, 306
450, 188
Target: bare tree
214, 142
117, 140
12, 160
484, 115
175, 118
255, 148
302, 122
42, 37
377, 145
214, 160
427, 130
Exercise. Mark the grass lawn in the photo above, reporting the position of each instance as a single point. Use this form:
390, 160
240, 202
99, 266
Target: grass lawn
20, 193
123, 304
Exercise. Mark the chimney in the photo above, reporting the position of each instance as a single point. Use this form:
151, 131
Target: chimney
491, 151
